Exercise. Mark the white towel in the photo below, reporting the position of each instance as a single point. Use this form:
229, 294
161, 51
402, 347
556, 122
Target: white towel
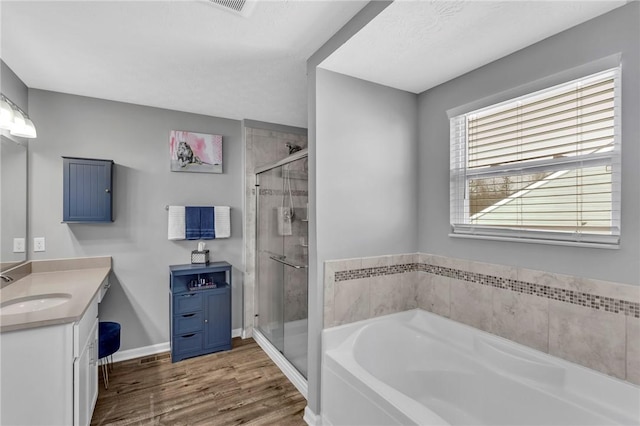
284, 220
176, 223
222, 220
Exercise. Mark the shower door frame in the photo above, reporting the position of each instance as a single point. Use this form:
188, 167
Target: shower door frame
283, 363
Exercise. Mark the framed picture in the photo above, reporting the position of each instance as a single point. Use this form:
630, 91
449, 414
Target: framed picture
195, 152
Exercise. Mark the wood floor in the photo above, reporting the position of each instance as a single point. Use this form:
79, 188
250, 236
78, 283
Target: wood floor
241, 386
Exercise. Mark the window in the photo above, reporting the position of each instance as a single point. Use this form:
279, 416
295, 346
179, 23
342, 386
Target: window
541, 167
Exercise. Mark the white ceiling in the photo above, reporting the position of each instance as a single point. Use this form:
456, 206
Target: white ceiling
189, 55
416, 45
183, 55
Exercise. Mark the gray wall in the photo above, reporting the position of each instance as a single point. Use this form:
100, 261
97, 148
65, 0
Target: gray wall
13, 88
137, 139
367, 171
617, 31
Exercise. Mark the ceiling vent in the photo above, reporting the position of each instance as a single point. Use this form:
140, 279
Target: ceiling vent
237, 7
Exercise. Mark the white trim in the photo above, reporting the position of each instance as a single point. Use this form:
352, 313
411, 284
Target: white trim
552, 164
311, 418
247, 332
287, 369
140, 352
466, 226
236, 332
534, 241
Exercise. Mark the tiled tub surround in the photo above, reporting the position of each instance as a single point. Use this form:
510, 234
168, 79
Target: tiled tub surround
590, 322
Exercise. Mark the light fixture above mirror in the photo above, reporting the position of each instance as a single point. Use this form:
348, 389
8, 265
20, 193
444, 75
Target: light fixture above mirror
16, 121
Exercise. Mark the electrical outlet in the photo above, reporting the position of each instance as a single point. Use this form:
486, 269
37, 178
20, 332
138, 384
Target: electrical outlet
18, 245
38, 244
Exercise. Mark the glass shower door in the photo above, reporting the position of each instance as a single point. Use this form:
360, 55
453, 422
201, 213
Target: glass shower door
270, 274
282, 258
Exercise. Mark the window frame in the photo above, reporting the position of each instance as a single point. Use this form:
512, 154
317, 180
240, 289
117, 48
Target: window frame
459, 175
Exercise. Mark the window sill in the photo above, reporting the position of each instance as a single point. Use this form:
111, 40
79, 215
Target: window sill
537, 241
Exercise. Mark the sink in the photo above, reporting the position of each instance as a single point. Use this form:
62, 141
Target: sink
34, 303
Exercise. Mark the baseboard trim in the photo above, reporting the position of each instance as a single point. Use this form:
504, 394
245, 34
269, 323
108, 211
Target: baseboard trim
247, 332
287, 369
311, 418
140, 352
154, 349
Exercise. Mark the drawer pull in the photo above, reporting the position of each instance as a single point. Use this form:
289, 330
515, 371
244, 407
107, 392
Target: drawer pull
187, 336
187, 315
187, 295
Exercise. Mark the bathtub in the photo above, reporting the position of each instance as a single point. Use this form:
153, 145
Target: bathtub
417, 368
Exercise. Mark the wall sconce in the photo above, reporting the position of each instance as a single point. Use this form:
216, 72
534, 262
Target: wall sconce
16, 121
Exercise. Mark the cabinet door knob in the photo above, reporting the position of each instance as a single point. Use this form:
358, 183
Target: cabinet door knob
206, 320
107, 190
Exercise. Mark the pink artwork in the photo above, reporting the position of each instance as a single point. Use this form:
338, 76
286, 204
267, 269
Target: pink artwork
195, 152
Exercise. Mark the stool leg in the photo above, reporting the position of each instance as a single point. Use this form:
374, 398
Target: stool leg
105, 374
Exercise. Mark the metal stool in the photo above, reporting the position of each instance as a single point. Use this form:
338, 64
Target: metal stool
108, 344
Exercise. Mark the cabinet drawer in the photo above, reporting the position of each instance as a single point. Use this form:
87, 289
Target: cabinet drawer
103, 288
187, 343
187, 323
187, 302
82, 329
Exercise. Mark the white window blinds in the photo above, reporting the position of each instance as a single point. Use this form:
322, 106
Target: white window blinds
544, 166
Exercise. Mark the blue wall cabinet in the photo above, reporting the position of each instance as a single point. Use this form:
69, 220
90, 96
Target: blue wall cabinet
200, 305
88, 193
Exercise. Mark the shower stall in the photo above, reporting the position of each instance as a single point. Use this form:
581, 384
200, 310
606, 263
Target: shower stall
282, 257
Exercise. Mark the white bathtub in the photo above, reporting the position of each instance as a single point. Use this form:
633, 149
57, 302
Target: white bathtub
415, 367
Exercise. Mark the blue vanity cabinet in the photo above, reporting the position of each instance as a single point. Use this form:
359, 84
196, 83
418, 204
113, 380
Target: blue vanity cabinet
87, 190
200, 317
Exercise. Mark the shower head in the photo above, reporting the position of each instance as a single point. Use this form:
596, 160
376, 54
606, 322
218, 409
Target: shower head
293, 148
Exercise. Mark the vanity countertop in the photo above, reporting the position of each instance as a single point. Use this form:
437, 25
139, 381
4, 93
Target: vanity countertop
80, 278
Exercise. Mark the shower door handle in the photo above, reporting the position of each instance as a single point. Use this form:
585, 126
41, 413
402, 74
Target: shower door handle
284, 262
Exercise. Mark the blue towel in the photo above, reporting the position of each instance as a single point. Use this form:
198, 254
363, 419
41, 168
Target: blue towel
192, 223
207, 223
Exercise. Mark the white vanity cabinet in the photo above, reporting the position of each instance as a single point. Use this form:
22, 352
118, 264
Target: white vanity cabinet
85, 365
49, 374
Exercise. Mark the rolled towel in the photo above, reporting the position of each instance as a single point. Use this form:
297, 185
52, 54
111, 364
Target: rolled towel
176, 223
222, 218
207, 223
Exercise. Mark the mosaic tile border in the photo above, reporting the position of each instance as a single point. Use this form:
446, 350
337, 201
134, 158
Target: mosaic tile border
295, 192
608, 304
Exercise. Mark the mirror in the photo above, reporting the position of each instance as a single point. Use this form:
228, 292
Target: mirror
13, 201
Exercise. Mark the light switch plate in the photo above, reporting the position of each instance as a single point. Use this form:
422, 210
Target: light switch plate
18, 245
38, 244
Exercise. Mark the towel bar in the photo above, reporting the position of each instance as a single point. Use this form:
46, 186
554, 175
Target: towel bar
284, 262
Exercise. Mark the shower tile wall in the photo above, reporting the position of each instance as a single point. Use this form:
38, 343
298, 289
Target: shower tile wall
296, 245
262, 147
589, 322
